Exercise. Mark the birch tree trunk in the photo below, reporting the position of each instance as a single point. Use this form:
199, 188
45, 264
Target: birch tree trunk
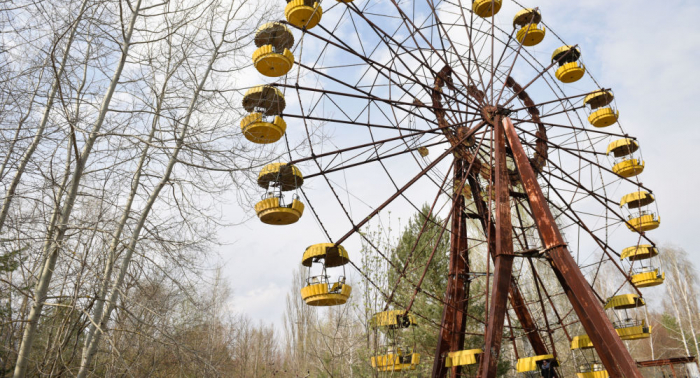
91, 348
117, 234
684, 291
26, 157
680, 323
52, 246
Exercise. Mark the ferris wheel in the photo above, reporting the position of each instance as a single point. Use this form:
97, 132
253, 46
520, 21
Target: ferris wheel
480, 110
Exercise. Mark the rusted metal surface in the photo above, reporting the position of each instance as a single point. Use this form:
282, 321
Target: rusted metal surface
503, 260
612, 352
517, 302
457, 282
453, 322
539, 159
668, 361
445, 342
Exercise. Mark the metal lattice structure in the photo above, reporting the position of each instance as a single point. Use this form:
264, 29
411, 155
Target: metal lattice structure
535, 178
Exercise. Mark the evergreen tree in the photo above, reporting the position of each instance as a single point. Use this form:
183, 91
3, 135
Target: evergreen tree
428, 311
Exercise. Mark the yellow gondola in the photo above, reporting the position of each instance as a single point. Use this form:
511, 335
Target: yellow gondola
264, 99
261, 130
646, 221
637, 199
639, 252
641, 220
303, 13
627, 330
581, 342
648, 277
570, 69
284, 176
601, 113
633, 330
397, 356
274, 33
466, 189
528, 364
393, 319
624, 302
462, 357
486, 8
623, 147
530, 34
271, 210
331, 255
319, 290
626, 164
399, 360
592, 371
423, 151
629, 167
273, 58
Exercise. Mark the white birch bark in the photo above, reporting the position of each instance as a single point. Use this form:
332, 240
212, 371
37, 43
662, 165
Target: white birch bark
114, 291
24, 118
682, 281
52, 246
680, 323
26, 157
117, 234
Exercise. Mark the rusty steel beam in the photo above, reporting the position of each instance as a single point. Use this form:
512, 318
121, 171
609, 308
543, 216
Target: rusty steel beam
454, 318
612, 351
517, 302
459, 253
503, 260
668, 361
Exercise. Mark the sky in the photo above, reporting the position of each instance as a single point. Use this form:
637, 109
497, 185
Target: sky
648, 54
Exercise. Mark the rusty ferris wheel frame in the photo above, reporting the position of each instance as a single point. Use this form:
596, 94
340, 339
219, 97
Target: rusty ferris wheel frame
483, 129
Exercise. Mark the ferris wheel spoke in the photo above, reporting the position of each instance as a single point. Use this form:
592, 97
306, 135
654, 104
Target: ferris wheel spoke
559, 100
558, 146
407, 185
446, 34
418, 237
354, 123
540, 282
604, 168
426, 40
539, 288
380, 32
512, 65
365, 145
457, 197
519, 121
506, 46
472, 54
539, 75
371, 160
401, 107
